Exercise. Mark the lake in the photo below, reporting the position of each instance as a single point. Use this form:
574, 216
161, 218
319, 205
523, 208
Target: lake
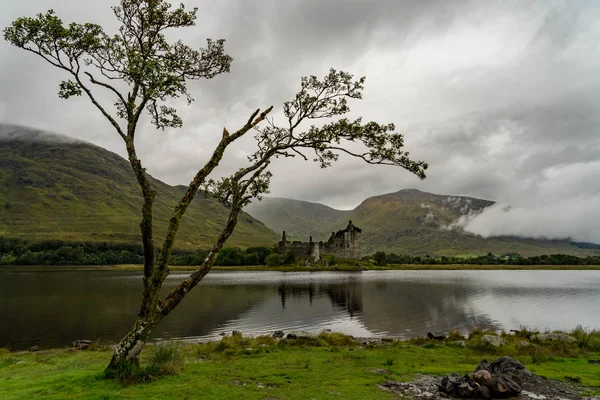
52, 306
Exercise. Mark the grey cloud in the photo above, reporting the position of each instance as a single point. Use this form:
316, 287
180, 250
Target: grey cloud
500, 98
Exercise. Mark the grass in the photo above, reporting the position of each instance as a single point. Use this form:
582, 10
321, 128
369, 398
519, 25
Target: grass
327, 366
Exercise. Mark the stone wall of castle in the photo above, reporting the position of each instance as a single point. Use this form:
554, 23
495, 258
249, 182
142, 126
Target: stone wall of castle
345, 243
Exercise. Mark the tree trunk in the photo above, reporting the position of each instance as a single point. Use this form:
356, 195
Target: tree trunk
127, 353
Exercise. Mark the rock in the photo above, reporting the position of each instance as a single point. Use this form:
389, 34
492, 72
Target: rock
456, 378
465, 390
278, 334
436, 336
483, 365
379, 371
222, 334
458, 343
553, 337
82, 344
508, 366
249, 349
491, 340
483, 393
522, 344
34, 348
483, 377
300, 335
503, 377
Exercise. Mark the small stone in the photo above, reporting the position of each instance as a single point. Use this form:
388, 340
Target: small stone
222, 334
278, 334
522, 344
553, 337
34, 348
82, 344
491, 340
300, 335
455, 378
249, 349
21, 362
380, 371
262, 345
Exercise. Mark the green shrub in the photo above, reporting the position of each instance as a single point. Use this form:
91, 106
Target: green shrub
336, 339
455, 335
380, 258
165, 359
273, 260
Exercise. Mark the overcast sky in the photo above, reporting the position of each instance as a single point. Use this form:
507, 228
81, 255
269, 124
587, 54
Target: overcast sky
500, 97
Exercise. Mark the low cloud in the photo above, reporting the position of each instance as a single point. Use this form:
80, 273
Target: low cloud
576, 219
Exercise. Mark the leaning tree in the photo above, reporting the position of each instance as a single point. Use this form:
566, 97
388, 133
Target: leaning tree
144, 72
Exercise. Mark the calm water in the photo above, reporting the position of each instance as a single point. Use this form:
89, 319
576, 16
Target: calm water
53, 307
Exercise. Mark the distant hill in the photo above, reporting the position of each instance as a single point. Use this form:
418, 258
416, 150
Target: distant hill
54, 187
406, 222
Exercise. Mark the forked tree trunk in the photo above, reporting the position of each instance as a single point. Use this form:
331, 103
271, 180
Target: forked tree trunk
127, 353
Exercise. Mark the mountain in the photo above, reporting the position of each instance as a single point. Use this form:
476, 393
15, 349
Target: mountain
406, 222
54, 187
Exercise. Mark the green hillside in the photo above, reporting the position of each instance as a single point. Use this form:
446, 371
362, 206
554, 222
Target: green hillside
52, 187
406, 222
300, 219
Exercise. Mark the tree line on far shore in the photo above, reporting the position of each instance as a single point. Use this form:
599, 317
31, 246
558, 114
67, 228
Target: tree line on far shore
15, 251
381, 258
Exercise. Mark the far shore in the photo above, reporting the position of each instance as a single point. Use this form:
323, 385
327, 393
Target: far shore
391, 267
321, 268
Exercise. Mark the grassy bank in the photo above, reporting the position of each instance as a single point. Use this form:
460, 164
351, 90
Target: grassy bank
325, 367
351, 267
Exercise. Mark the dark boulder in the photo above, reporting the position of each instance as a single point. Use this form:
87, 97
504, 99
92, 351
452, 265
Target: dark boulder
436, 336
278, 334
82, 344
482, 392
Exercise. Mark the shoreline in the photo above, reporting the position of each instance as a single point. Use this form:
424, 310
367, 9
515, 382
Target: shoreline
337, 268
328, 365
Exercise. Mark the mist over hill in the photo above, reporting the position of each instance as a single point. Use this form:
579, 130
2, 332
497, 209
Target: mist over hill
55, 187
405, 222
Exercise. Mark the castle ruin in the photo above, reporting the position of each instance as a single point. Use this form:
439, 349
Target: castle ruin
345, 243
